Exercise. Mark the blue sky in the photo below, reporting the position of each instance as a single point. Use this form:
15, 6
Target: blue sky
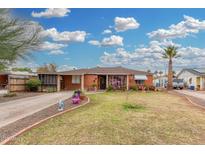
134, 38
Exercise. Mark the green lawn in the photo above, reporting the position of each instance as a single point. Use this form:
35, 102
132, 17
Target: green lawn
111, 118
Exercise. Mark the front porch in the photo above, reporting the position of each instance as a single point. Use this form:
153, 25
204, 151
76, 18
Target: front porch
88, 82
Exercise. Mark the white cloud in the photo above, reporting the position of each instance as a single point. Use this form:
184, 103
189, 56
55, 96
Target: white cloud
113, 40
184, 28
107, 31
94, 42
56, 52
123, 24
66, 36
51, 12
66, 68
150, 57
51, 46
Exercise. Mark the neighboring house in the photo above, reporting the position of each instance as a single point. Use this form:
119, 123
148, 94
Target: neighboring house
160, 81
102, 78
15, 81
193, 78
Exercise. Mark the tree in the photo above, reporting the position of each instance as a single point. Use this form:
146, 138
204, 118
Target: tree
160, 78
46, 68
17, 38
156, 73
169, 53
160, 73
148, 71
24, 69
33, 84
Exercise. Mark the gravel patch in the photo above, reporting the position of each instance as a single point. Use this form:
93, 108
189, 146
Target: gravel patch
17, 126
19, 96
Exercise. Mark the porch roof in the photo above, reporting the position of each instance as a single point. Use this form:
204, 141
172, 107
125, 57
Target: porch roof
105, 71
18, 73
140, 77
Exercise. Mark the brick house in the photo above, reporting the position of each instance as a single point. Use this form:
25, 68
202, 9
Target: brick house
84, 79
101, 78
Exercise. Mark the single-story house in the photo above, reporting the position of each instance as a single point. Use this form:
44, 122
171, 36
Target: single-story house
15, 81
100, 78
160, 81
193, 78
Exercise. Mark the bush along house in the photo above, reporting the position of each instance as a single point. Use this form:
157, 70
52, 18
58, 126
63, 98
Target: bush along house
98, 78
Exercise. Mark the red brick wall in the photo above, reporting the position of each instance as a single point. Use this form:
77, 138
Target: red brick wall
131, 81
68, 83
148, 82
89, 80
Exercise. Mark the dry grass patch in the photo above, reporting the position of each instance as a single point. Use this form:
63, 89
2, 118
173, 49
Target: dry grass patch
115, 118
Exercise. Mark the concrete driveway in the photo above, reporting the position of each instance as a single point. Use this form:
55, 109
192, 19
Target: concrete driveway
195, 96
17, 109
192, 93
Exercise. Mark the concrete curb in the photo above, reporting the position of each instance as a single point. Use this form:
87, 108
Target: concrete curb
40, 122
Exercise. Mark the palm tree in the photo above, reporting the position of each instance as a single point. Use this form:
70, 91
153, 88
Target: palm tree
160, 78
169, 53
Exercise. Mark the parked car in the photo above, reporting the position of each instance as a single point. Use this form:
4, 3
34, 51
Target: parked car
178, 83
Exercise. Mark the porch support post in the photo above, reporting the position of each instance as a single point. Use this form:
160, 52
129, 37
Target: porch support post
58, 82
127, 82
82, 82
201, 83
9, 84
107, 83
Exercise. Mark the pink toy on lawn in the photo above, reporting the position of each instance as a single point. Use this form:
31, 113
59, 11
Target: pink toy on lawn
76, 98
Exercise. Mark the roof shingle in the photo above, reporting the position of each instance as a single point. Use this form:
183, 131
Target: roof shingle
105, 70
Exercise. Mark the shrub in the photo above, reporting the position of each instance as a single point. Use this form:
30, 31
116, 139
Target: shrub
140, 87
94, 85
134, 88
51, 90
33, 84
110, 88
149, 88
10, 95
152, 88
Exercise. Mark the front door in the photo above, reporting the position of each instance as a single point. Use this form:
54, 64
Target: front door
102, 82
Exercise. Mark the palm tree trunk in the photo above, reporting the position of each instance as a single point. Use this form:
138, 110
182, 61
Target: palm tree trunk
170, 76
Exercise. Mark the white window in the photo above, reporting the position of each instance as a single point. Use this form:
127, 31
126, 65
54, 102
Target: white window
75, 79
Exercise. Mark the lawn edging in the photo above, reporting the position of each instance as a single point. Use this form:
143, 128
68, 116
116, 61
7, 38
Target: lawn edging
40, 122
